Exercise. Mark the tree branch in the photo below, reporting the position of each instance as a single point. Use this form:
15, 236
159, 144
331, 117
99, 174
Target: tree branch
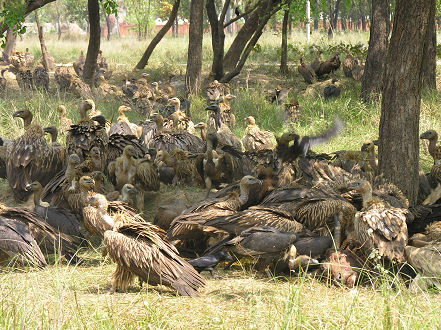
32, 5
240, 16
224, 11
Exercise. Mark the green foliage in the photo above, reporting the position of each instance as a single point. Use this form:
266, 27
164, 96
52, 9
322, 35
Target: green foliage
111, 7
13, 15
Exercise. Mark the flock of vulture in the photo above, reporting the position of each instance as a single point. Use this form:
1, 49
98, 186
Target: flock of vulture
269, 199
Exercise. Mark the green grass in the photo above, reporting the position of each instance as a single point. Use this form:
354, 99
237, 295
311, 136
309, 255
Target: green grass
62, 296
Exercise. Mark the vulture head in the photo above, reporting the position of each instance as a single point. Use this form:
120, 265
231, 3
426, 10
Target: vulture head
429, 135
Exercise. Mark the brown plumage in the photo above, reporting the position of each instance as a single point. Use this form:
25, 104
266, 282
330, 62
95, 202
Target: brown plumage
24, 79
17, 242
145, 178
224, 135
63, 77
40, 78
189, 225
125, 167
60, 218
21, 60
329, 66
256, 139
140, 249
95, 216
427, 262
349, 64
118, 142
78, 65
215, 90
255, 216
293, 111
86, 134
434, 150
306, 72
378, 225
183, 165
165, 140
30, 158
65, 123
49, 239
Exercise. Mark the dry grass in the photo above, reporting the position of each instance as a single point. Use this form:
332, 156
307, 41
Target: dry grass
77, 297
62, 296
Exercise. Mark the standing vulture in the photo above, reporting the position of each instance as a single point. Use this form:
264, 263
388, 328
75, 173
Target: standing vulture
30, 158
140, 249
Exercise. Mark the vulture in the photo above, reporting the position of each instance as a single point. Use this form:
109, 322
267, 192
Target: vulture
49, 239
124, 126
16, 242
328, 66
332, 90
30, 158
53, 132
165, 140
64, 78
434, 150
85, 135
78, 65
301, 146
316, 64
60, 218
256, 139
264, 243
227, 116
215, 90
349, 64
189, 225
24, 79
426, 261
293, 111
40, 78
65, 123
306, 72
95, 216
224, 134
379, 225
141, 249
117, 143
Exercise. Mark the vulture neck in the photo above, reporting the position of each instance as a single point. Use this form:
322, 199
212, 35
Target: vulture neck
83, 111
167, 160
54, 136
432, 145
244, 193
203, 133
177, 105
37, 198
27, 121
366, 194
125, 197
159, 121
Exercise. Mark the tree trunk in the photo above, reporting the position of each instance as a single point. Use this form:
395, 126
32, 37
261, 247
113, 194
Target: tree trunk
177, 27
373, 70
343, 24
429, 57
272, 7
44, 52
194, 60
324, 22
242, 38
334, 19
94, 41
108, 23
217, 37
284, 52
398, 148
158, 37
363, 20
316, 24
11, 42
118, 31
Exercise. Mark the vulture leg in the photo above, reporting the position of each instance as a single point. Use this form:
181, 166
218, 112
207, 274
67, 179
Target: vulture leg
140, 201
208, 184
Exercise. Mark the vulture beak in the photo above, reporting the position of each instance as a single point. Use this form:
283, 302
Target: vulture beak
28, 187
